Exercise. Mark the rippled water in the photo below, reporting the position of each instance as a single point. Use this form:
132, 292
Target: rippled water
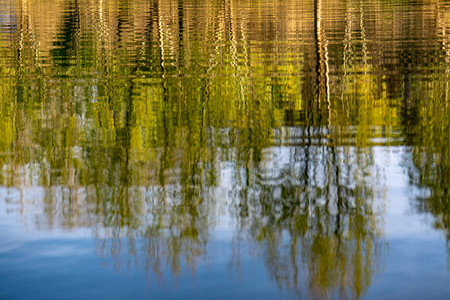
224, 149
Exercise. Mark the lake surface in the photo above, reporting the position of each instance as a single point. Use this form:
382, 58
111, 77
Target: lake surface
224, 149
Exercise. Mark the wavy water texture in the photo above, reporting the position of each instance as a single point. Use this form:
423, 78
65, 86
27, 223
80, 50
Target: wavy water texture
155, 125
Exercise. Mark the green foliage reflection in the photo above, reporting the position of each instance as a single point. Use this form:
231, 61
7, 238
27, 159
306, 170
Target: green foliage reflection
148, 121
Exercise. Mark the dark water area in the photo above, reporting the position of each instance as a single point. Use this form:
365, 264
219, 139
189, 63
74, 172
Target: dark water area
222, 149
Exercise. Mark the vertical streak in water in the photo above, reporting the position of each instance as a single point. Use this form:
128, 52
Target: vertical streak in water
347, 39
215, 50
234, 21
161, 42
77, 31
245, 51
363, 35
229, 17
103, 33
165, 93
318, 50
327, 77
445, 47
322, 67
22, 14
20, 49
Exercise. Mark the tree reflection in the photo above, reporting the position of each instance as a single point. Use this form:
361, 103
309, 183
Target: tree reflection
429, 162
149, 121
315, 213
425, 117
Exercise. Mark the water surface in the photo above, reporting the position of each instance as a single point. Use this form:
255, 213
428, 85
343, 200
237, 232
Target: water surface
224, 149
